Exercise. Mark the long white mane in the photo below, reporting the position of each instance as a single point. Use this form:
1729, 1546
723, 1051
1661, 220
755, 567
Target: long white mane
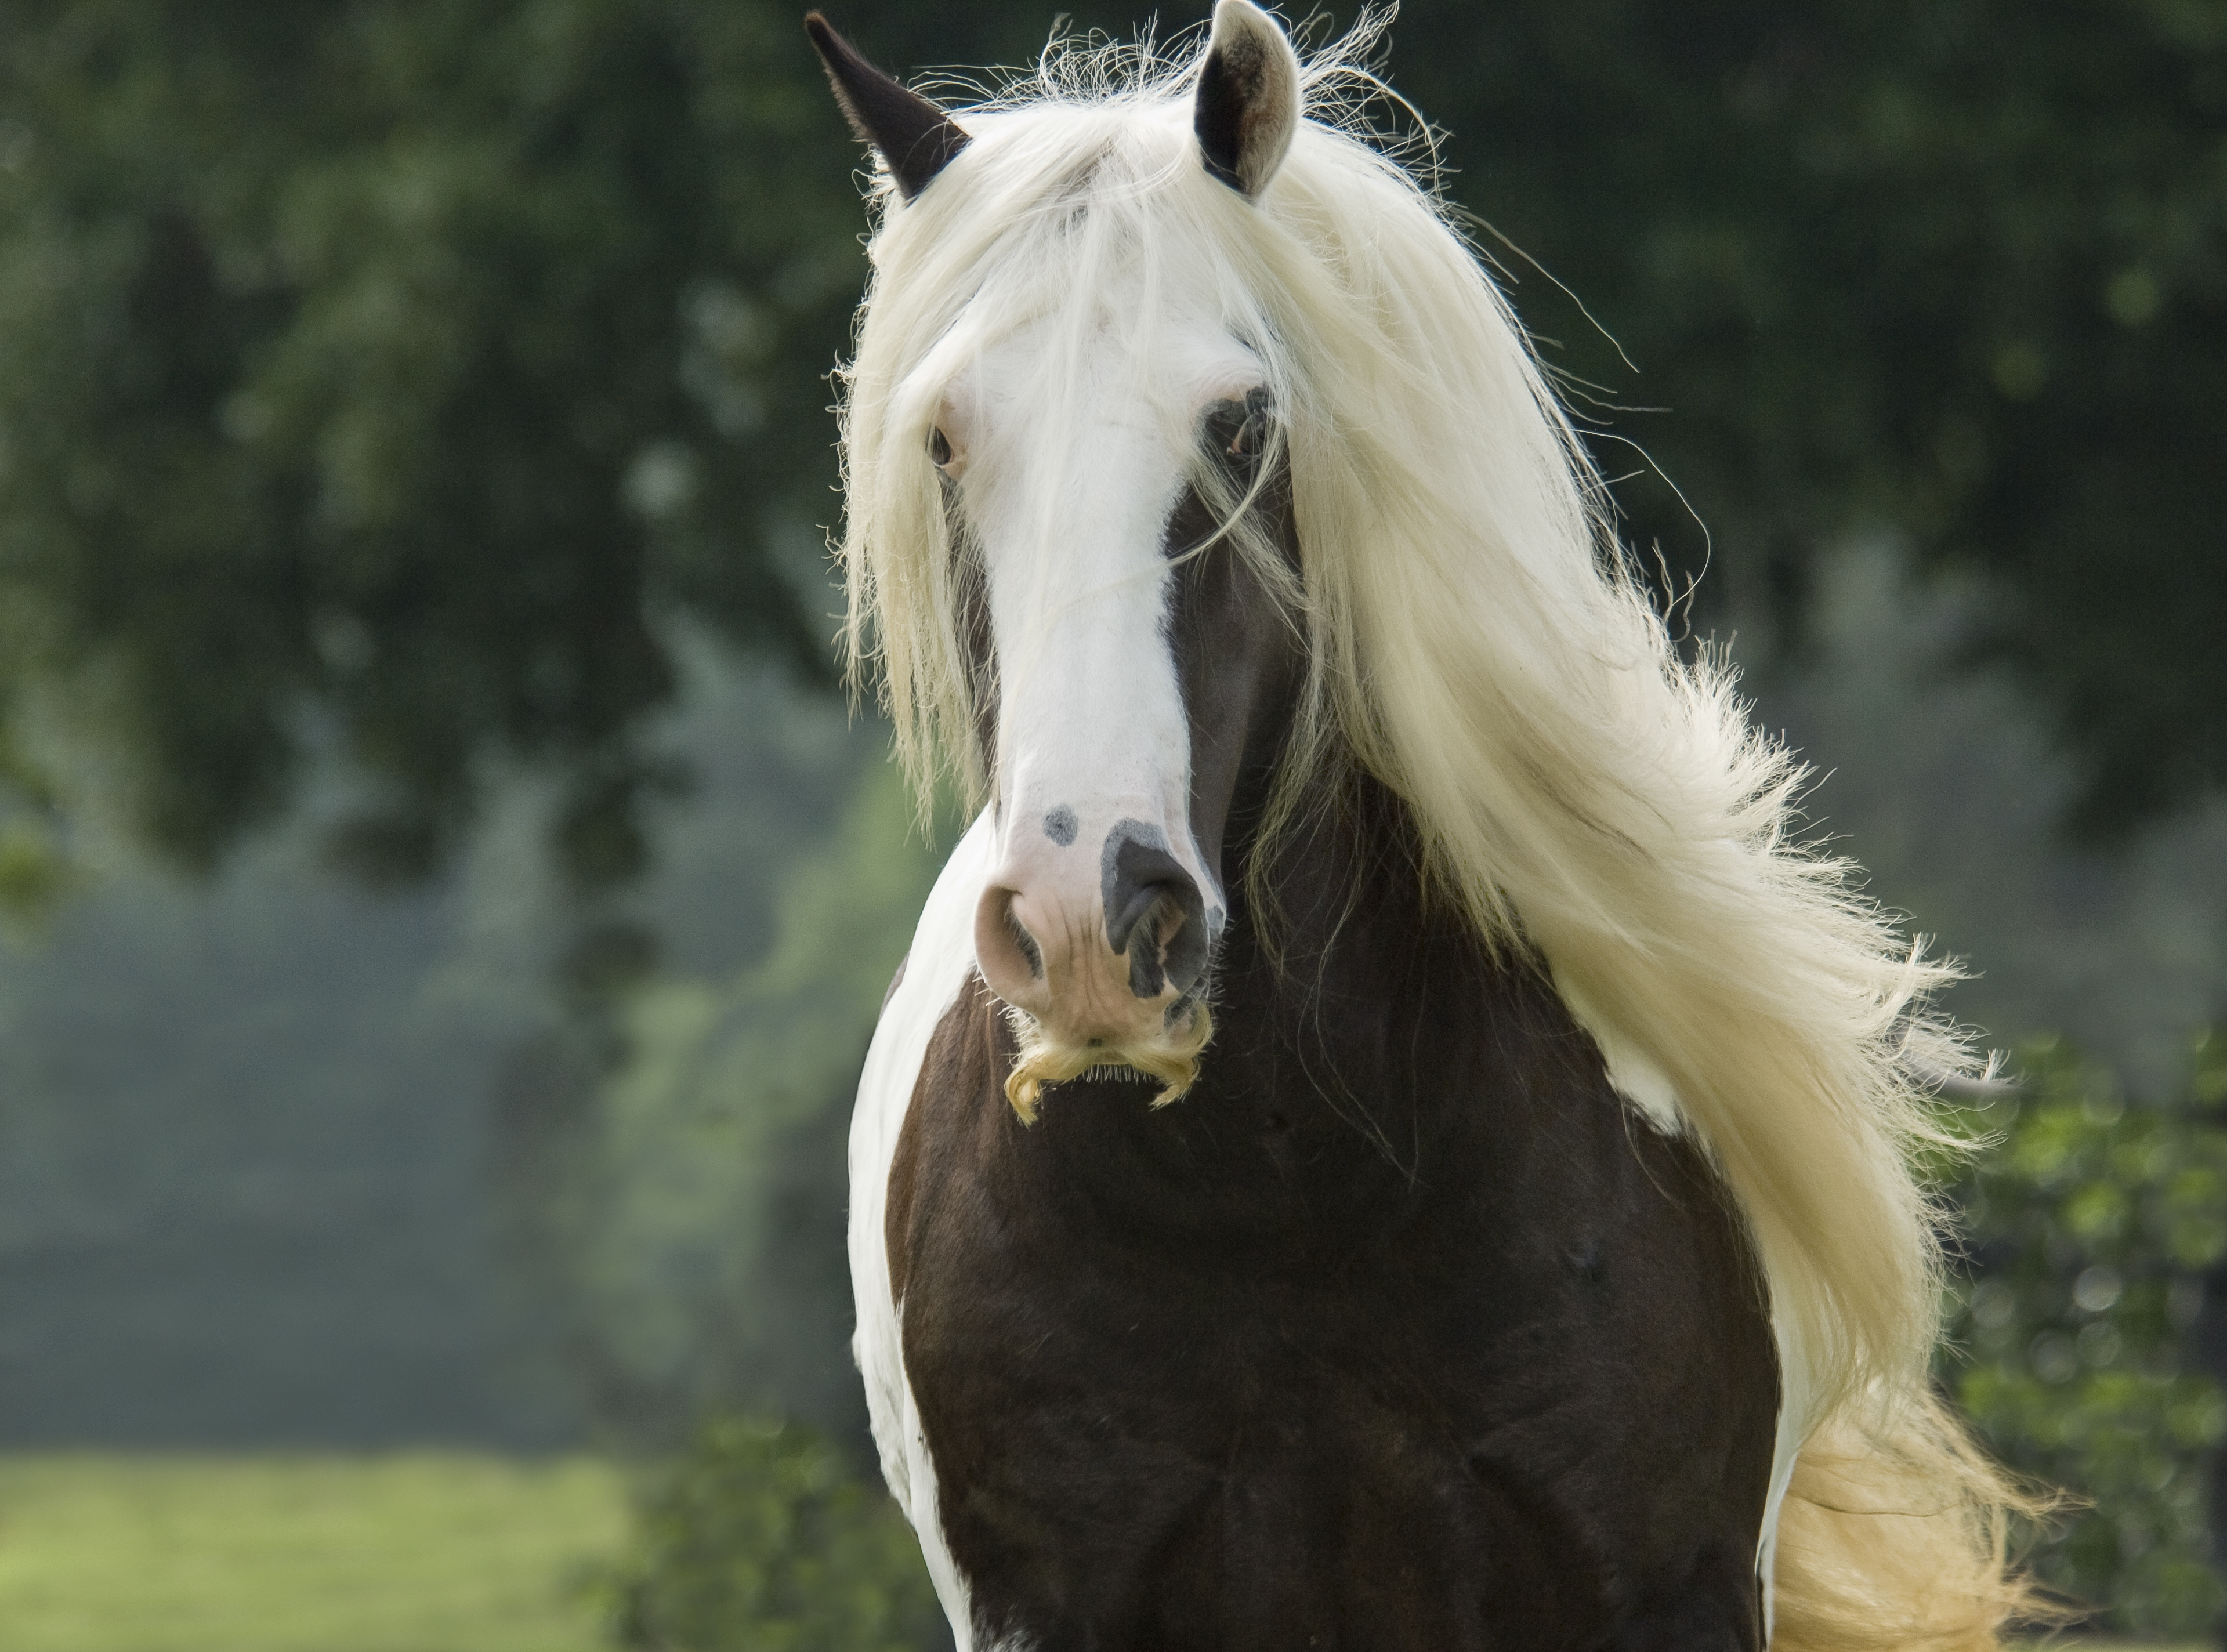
1480, 645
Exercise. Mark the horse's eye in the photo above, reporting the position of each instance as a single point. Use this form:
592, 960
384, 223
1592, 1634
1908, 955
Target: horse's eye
939, 447
1241, 428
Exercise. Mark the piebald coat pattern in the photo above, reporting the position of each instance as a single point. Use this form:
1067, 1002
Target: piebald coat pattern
1379, 1142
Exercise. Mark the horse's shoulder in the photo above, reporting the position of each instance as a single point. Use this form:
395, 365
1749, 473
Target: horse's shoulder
961, 1076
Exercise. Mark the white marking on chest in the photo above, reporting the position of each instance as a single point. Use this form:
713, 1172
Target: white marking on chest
935, 970
1631, 1071
1796, 1423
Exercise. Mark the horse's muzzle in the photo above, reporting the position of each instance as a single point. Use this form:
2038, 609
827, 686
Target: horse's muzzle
1108, 975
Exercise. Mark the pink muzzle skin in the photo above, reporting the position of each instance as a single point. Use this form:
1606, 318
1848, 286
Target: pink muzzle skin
1100, 943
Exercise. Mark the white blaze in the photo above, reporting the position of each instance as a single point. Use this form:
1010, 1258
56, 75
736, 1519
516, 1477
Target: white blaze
1070, 446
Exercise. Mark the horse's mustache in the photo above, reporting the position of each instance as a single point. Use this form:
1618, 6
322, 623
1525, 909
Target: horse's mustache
1173, 1060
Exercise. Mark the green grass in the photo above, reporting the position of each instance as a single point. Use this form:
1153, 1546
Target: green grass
420, 1552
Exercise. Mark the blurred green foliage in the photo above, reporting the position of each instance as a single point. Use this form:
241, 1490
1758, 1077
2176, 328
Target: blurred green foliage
1954, 267
376, 380
698, 1212
2094, 1222
762, 1539
36, 868
381, 382
371, 375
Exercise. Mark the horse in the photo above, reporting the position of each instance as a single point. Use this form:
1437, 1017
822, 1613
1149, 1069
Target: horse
1384, 1138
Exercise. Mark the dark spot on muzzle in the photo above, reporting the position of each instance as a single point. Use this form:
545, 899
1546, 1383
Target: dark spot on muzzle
1059, 825
1139, 878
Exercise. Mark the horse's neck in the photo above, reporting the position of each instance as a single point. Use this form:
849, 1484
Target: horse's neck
1338, 942
1333, 879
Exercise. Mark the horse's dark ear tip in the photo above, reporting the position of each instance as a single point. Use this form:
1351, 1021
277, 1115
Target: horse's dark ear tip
915, 138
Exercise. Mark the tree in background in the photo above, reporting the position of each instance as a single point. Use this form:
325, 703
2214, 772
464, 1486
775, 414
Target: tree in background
762, 1539
1957, 270
373, 379
2096, 1229
699, 1204
386, 387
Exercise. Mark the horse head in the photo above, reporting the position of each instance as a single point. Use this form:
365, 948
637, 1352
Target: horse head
1115, 492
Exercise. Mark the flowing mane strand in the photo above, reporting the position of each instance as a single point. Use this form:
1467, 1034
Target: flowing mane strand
1479, 644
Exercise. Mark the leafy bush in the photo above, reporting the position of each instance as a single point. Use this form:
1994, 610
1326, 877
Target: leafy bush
2092, 1221
764, 1538
695, 1221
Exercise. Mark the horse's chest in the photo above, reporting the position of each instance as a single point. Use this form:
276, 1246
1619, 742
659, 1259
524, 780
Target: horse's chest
1239, 1376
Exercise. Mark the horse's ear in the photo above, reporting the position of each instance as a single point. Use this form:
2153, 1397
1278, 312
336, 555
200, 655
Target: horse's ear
915, 137
1248, 97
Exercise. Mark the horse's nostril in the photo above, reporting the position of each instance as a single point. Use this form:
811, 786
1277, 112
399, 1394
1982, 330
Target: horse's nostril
1154, 912
1137, 903
1010, 959
1024, 942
